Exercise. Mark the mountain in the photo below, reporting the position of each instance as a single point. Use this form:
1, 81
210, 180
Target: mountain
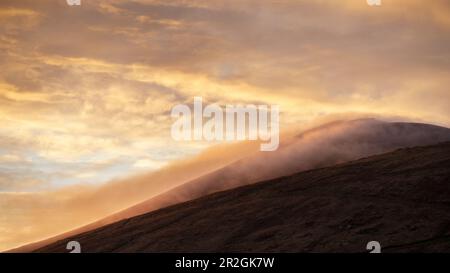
325, 145
400, 199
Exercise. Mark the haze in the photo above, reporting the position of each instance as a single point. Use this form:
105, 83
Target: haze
86, 92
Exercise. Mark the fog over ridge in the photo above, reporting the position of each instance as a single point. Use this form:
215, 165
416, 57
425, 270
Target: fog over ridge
321, 146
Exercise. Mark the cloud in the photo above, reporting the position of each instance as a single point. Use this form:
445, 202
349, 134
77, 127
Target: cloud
217, 169
31, 216
148, 164
93, 84
122, 65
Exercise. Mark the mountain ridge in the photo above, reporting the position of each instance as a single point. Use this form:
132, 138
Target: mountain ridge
163, 230
325, 145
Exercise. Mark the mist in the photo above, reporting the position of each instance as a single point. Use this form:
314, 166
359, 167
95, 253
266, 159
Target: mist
322, 146
31, 217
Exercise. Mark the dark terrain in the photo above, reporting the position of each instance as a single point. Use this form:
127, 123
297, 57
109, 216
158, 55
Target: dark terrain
401, 199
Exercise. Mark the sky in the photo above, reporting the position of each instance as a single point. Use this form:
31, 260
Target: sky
86, 91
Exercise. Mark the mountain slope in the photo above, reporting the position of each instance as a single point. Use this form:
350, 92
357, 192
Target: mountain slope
401, 199
325, 145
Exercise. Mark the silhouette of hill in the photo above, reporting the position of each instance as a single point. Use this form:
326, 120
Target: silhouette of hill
401, 199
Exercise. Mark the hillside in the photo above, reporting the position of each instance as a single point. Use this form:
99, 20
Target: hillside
401, 199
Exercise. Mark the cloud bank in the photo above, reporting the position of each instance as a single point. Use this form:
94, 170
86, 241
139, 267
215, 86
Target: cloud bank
242, 164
